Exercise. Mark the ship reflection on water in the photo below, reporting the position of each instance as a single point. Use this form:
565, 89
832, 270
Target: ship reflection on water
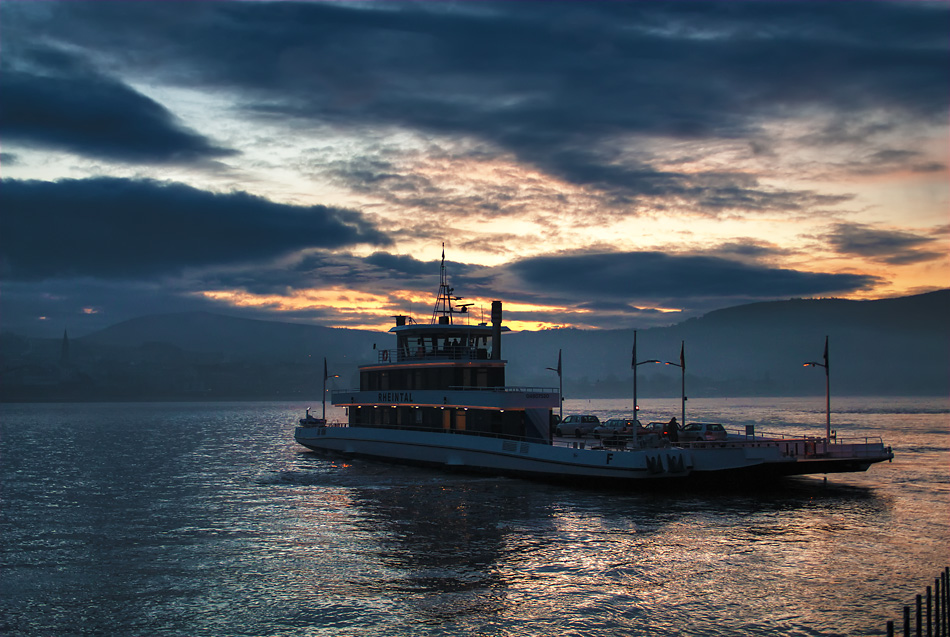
531, 557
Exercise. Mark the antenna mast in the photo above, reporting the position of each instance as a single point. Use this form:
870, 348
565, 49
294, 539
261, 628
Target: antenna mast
443, 311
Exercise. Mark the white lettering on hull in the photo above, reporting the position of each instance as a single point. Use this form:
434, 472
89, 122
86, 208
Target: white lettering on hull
395, 397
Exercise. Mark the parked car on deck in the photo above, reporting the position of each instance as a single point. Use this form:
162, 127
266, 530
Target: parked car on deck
577, 425
695, 431
616, 428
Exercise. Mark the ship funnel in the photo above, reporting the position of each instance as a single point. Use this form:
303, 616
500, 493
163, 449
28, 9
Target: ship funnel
496, 330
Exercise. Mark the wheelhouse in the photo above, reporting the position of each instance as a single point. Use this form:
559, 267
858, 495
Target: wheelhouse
449, 376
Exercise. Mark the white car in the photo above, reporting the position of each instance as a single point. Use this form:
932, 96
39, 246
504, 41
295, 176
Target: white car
616, 428
696, 431
577, 425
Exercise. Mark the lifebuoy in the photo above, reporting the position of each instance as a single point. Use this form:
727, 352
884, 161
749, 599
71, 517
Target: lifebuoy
385, 355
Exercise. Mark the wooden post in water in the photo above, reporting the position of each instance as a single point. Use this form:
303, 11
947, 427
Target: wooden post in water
890, 628
917, 624
929, 613
937, 606
906, 621
946, 601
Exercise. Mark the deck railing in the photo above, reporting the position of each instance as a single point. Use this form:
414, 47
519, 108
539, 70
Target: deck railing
508, 389
452, 352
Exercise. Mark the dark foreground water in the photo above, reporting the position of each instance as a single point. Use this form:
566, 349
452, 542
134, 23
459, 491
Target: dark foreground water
207, 519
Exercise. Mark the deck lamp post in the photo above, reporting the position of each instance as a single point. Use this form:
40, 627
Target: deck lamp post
326, 375
560, 387
682, 366
634, 364
827, 389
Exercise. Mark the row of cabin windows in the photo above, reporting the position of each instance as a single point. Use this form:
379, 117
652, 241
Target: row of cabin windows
432, 378
483, 421
478, 347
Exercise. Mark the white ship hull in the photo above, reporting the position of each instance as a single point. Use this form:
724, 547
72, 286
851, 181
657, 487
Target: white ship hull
727, 460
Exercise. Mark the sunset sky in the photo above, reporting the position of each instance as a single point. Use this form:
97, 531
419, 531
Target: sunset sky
597, 165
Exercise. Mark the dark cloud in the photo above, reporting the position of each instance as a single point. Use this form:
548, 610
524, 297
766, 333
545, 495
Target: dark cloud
380, 273
652, 275
86, 305
67, 106
591, 290
560, 88
405, 266
887, 246
120, 228
621, 282
625, 185
749, 248
594, 93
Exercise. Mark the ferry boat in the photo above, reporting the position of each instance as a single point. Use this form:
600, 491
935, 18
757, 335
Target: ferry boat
440, 398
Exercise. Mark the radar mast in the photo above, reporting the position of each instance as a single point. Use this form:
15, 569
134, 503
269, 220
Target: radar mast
444, 308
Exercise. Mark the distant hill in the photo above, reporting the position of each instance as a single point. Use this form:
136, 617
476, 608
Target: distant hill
891, 346
234, 337
920, 312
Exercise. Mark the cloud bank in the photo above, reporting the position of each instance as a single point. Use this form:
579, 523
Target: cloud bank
127, 229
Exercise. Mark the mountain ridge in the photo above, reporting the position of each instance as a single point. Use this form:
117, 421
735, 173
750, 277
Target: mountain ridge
882, 346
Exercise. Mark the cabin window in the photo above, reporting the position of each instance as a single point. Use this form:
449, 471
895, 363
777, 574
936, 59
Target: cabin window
448, 377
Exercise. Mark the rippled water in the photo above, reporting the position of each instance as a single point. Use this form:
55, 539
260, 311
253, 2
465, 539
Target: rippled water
185, 519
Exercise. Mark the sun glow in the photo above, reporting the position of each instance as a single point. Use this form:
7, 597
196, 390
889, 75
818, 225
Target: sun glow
350, 309
334, 307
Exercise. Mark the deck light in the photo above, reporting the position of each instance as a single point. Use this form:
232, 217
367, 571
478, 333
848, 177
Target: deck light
827, 389
634, 364
682, 366
560, 386
326, 375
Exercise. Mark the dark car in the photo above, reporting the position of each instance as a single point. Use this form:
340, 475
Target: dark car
577, 425
616, 428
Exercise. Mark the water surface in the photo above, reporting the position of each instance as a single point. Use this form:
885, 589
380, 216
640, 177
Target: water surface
190, 518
